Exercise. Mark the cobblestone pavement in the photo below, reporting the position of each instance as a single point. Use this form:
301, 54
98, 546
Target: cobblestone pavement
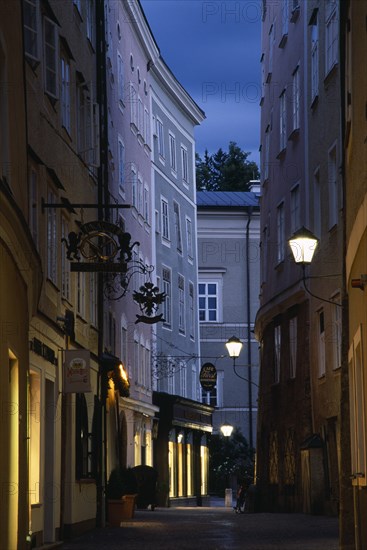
214, 528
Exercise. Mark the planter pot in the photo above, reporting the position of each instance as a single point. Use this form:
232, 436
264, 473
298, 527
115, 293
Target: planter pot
121, 510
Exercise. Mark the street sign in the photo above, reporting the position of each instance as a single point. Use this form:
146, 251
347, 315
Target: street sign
208, 376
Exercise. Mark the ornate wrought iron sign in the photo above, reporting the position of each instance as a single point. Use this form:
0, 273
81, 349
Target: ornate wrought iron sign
106, 248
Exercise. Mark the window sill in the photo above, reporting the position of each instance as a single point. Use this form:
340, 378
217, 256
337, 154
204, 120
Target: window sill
268, 78
281, 153
295, 14
53, 284
330, 73
314, 102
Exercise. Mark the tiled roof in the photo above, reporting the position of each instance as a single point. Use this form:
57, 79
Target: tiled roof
227, 199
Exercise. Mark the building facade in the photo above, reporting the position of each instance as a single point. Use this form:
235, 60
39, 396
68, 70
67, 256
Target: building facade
182, 455
229, 270
354, 125
299, 323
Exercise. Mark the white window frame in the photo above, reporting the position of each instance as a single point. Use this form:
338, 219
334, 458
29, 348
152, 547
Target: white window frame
134, 186
331, 35
165, 219
160, 135
172, 152
189, 241
315, 60
177, 217
317, 202
167, 288
280, 232
296, 99
185, 164
133, 98
206, 295
283, 120
140, 194
146, 213
181, 304
90, 20
285, 17
146, 127
120, 80
191, 311
50, 58
32, 30
121, 165
65, 93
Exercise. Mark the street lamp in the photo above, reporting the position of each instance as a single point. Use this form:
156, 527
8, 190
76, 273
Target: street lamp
234, 346
303, 245
226, 429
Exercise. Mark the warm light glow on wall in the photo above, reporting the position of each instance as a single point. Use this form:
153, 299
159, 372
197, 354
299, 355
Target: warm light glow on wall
34, 436
204, 469
171, 466
189, 466
180, 473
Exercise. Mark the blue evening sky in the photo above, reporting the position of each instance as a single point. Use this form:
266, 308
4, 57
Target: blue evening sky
213, 49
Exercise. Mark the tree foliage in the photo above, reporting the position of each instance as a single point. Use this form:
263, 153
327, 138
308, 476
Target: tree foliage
225, 171
229, 457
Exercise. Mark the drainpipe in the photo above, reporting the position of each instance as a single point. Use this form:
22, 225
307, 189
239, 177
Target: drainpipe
249, 372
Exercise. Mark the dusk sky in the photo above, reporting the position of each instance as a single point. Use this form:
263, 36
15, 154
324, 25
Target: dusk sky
213, 49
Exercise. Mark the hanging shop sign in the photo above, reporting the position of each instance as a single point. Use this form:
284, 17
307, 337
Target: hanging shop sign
208, 376
76, 371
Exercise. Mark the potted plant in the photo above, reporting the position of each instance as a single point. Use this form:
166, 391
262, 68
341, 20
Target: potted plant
121, 496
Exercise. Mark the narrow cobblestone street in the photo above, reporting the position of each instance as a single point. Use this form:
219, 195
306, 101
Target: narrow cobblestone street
214, 528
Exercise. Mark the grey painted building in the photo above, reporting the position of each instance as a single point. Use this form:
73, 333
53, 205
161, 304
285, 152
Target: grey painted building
229, 264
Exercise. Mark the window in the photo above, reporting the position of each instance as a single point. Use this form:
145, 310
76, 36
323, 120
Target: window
124, 348
277, 349
120, 76
172, 152
31, 29
296, 98
280, 232
331, 35
164, 219
133, 98
80, 294
183, 380
321, 342
82, 439
166, 276
65, 93
283, 120
93, 304
209, 397
140, 194
90, 20
185, 164
191, 312
273, 458
50, 56
266, 154
189, 238
52, 240
134, 187
208, 302
176, 211
271, 46
181, 303
140, 117
146, 127
146, 204
314, 59
295, 209
33, 205
121, 156
357, 399
316, 203
292, 347
160, 138
285, 19
333, 187
87, 125
65, 266
337, 332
